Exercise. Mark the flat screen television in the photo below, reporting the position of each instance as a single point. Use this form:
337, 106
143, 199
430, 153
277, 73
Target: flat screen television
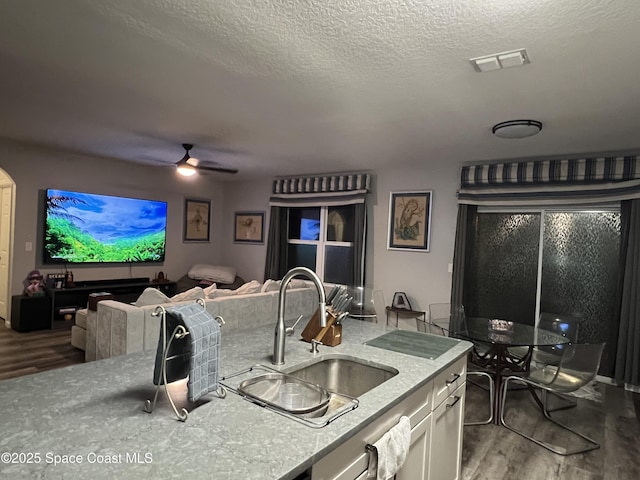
91, 228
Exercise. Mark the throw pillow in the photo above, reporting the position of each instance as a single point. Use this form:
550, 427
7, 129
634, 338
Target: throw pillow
192, 294
215, 273
270, 286
210, 289
151, 296
221, 292
253, 286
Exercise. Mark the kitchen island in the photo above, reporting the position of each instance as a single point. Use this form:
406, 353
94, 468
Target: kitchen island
87, 421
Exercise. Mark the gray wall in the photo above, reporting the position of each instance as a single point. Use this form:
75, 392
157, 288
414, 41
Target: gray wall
34, 169
424, 277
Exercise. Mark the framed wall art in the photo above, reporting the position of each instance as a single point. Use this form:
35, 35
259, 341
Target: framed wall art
410, 221
248, 227
197, 215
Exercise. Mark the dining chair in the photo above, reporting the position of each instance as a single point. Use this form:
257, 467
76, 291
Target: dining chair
438, 320
564, 325
379, 304
577, 367
457, 320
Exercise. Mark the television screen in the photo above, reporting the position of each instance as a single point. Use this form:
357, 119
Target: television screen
90, 228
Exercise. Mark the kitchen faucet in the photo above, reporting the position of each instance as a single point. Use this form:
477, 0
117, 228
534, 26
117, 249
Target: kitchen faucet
280, 332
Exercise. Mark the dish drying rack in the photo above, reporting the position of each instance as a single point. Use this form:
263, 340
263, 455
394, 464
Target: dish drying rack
179, 332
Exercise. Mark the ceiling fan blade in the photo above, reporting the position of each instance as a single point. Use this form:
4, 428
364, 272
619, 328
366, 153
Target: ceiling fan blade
216, 169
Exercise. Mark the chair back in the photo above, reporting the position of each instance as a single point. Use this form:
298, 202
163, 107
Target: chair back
439, 314
578, 366
379, 304
562, 325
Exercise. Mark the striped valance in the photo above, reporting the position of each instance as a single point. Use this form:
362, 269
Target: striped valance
585, 180
583, 170
320, 190
321, 183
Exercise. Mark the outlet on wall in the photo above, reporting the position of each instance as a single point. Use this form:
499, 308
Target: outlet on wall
28, 246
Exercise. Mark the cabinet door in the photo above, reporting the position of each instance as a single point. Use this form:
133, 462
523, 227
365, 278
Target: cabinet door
446, 433
416, 464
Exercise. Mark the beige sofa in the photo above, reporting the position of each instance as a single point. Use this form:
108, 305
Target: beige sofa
118, 328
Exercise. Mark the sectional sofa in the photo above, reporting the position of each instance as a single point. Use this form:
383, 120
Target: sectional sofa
118, 328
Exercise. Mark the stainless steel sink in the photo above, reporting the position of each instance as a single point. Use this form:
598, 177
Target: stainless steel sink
345, 375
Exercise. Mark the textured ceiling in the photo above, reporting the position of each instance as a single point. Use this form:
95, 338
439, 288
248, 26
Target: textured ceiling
298, 86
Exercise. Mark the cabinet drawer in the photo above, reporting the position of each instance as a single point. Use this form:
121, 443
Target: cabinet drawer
449, 380
351, 459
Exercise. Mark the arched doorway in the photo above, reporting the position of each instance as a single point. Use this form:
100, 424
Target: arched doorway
7, 205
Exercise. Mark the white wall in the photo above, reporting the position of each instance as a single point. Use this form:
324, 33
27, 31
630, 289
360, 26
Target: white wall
34, 169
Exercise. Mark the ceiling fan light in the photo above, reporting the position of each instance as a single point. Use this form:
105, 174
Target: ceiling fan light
186, 170
517, 128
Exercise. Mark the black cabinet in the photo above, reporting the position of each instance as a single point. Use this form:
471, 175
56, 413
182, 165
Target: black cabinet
30, 313
67, 300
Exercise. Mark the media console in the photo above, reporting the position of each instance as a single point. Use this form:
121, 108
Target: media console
70, 299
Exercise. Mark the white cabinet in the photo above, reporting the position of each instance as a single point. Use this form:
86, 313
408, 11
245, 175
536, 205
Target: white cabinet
447, 421
436, 413
350, 460
417, 462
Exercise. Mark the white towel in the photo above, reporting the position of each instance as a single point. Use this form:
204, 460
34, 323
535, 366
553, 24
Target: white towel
391, 451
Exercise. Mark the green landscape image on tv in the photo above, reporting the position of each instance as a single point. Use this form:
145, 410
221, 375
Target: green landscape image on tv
91, 228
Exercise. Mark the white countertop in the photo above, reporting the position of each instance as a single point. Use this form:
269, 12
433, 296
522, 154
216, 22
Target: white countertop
93, 414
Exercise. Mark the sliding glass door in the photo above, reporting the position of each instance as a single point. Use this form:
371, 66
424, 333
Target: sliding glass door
562, 262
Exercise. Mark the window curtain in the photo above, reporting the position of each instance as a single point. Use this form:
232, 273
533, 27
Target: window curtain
627, 366
322, 190
593, 180
466, 214
275, 262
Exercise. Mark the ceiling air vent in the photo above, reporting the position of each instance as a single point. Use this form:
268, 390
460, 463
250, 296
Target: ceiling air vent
497, 61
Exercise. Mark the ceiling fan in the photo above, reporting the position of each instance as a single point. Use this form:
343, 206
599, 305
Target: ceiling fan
189, 165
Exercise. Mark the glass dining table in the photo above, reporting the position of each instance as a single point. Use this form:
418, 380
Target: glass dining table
494, 347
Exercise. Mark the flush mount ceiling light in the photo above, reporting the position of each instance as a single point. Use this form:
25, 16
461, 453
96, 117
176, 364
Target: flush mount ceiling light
517, 128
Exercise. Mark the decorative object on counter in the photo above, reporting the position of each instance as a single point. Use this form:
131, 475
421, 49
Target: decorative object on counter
338, 302
56, 280
499, 325
196, 356
196, 220
249, 227
34, 284
400, 300
409, 221
68, 280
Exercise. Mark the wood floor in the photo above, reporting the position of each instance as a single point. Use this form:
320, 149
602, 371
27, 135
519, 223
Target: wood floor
491, 452
33, 352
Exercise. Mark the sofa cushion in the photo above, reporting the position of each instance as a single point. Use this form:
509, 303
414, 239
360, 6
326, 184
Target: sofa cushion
192, 294
151, 296
214, 273
270, 285
248, 288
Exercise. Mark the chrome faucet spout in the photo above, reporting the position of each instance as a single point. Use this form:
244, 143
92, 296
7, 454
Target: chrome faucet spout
280, 331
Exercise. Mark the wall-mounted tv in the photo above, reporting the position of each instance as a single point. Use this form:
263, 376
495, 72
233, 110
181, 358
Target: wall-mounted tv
91, 228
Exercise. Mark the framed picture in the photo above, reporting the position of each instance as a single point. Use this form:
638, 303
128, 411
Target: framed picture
196, 220
410, 221
249, 227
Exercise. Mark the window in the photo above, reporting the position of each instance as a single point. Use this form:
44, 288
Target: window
322, 239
